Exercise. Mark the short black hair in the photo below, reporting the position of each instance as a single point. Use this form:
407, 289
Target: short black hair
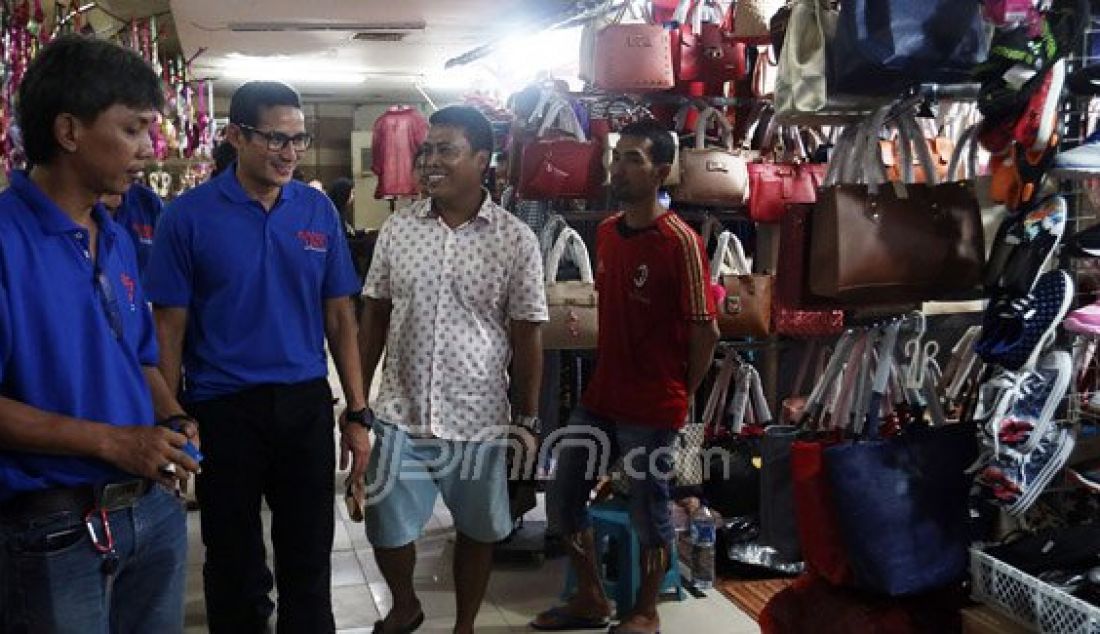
244, 107
81, 76
662, 148
474, 124
339, 192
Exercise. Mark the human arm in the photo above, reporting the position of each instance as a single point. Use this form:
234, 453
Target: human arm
138, 449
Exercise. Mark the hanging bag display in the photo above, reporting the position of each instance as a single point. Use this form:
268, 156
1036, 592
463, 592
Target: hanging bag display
574, 323
874, 242
777, 184
634, 57
731, 477
559, 167
882, 46
745, 308
712, 176
902, 501
752, 19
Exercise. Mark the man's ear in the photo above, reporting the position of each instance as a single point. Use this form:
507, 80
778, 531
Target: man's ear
484, 158
235, 136
67, 130
663, 170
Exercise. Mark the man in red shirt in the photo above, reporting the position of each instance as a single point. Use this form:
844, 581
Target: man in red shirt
656, 343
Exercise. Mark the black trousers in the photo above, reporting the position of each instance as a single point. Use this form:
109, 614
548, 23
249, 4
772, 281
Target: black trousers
274, 441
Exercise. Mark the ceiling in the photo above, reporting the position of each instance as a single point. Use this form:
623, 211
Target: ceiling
321, 31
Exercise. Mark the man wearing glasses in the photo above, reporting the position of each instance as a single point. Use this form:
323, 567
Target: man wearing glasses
250, 272
88, 539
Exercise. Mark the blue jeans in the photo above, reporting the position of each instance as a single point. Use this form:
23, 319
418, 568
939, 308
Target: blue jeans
585, 448
53, 580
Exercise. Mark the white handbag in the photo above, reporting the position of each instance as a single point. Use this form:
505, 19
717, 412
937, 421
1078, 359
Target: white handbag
574, 322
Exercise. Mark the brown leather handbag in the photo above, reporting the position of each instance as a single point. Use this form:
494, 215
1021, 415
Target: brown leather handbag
633, 57
875, 242
712, 176
574, 323
746, 309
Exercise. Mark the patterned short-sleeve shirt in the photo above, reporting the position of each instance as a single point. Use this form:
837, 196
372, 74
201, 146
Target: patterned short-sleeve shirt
454, 293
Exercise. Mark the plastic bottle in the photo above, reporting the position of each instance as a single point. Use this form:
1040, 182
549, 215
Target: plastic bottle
703, 529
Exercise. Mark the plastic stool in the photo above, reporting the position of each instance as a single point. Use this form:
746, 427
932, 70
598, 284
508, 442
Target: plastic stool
611, 525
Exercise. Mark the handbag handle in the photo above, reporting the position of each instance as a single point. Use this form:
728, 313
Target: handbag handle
558, 109
679, 120
814, 406
631, 5
718, 391
911, 133
549, 234
729, 245
578, 253
701, 129
882, 376
969, 141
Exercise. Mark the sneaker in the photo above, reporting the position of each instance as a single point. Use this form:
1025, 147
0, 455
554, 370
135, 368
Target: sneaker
1082, 160
1020, 327
1032, 402
1016, 479
1039, 120
1084, 320
1014, 70
1023, 246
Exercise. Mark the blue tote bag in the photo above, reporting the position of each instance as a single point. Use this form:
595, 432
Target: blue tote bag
882, 46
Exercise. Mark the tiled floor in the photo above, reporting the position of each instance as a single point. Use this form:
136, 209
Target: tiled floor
517, 592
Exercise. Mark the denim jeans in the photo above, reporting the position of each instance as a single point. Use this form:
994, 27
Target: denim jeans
585, 447
52, 579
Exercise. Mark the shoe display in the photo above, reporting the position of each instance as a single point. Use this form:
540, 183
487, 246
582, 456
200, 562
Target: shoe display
1024, 246
1016, 479
1015, 330
1039, 121
1029, 407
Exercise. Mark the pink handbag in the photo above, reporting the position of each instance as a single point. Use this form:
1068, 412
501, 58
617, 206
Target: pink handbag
633, 57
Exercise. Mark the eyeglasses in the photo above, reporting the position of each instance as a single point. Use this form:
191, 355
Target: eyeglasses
108, 302
276, 141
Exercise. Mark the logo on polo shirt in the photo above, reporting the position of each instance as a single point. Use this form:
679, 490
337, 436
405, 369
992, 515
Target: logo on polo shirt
641, 274
143, 232
131, 289
313, 241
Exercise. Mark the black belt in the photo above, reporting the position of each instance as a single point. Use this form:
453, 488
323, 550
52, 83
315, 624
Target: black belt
113, 496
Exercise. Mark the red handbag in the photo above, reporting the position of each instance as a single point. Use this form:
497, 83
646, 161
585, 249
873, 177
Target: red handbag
560, 167
794, 313
786, 181
704, 54
633, 57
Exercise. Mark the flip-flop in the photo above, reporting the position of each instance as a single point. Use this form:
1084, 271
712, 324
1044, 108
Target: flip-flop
563, 621
409, 628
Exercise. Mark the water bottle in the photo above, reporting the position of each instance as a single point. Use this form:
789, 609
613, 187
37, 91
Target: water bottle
703, 529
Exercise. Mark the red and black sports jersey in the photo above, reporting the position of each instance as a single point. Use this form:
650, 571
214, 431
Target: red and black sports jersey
653, 284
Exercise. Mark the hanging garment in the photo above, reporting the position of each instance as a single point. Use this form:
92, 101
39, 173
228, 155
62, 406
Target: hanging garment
397, 135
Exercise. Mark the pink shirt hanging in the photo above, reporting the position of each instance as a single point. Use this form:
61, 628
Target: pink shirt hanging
397, 135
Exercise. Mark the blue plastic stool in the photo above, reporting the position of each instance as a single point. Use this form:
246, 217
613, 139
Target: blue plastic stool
612, 527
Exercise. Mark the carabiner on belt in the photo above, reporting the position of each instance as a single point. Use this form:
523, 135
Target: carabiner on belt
103, 541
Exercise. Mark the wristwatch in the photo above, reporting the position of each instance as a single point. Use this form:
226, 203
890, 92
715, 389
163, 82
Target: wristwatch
363, 417
530, 423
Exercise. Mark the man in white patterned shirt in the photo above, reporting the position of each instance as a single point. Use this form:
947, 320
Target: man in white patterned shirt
454, 293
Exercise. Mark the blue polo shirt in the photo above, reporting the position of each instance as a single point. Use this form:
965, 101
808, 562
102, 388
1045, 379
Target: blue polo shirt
254, 283
138, 215
58, 351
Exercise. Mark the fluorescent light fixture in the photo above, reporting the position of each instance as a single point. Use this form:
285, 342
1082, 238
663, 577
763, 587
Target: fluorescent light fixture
291, 70
252, 27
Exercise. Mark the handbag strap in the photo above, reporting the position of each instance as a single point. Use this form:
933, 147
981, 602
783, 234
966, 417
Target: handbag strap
679, 120
560, 113
578, 253
760, 408
716, 399
799, 384
701, 129
881, 380
645, 16
729, 246
549, 234
814, 406
968, 142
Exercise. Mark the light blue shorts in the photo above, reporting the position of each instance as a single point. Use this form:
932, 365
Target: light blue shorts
406, 474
